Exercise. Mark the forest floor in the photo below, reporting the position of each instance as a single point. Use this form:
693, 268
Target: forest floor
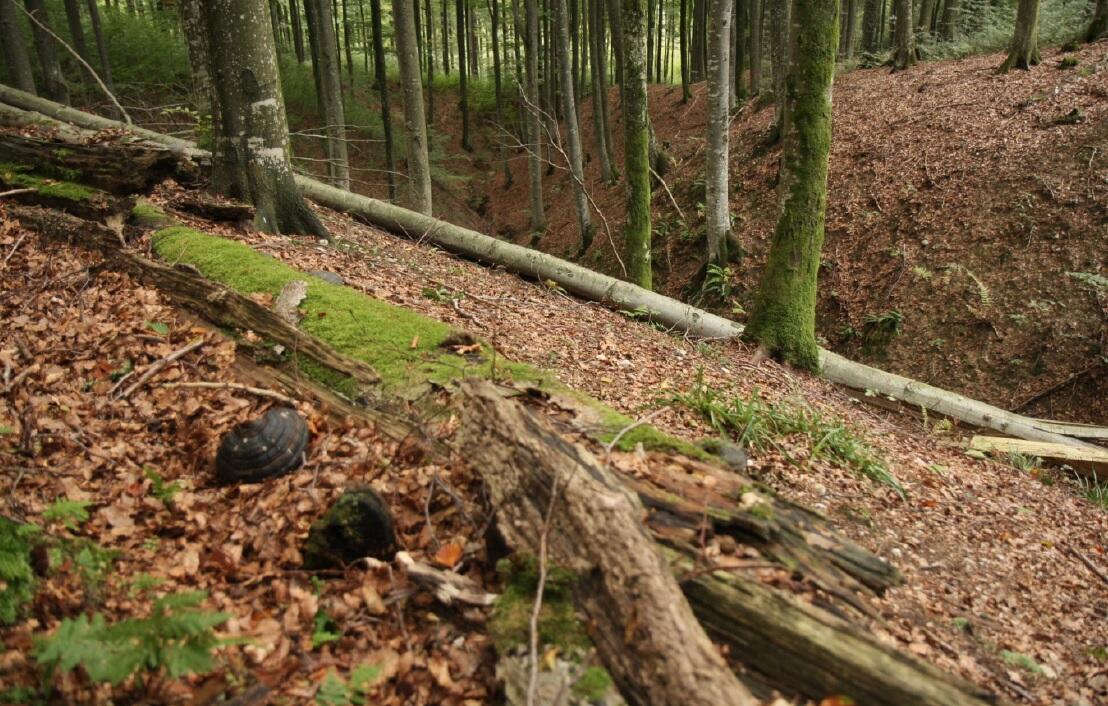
996, 559
967, 219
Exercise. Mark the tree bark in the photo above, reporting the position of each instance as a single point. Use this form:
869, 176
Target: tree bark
573, 133
779, 62
15, 48
430, 51
741, 48
685, 77
783, 319
599, 69
717, 211
77, 35
756, 7
952, 14
871, 25
494, 19
196, 43
904, 43
297, 31
642, 626
533, 119
53, 82
463, 70
381, 76
329, 89
846, 45
1098, 27
101, 45
251, 150
1024, 50
615, 23
636, 145
419, 168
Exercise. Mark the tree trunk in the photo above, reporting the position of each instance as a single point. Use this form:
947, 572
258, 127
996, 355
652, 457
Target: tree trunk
196, 43
101, 45
77, 36
494, 18
53, 82
952, 14
297, 31
871, 25
783, 319
430, 51
904, 43
534, 119
445, 40
846, 46
685, 77
573, 133
381, 76
419, 168
756, 7
251, 150
741, 47
636, 145
926, 13
717, 211
347, 42
1099, 25
779, 61
15, 48
463, 69
1024, 50
615, 22
329, 91
600, 90
641, 624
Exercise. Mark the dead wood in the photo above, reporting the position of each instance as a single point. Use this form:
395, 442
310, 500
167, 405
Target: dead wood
214, 210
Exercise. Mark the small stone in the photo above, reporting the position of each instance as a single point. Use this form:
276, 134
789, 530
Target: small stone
358, 525
727, 544
326, 276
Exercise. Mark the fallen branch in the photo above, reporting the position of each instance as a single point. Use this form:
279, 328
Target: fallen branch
156, 367
449, 587
233, 386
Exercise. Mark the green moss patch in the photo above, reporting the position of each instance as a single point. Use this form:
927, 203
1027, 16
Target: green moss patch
19, 176
510, 623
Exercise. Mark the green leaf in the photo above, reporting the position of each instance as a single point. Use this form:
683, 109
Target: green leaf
157, 327
70, 513
333, 691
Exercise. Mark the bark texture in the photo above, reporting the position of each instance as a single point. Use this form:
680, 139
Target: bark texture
642, 626
871, 25
15, 48
572, 131
329, 90
533, 119
195, 32
636, 145
53, 82
756, 7
904, 43
1024, 50
1098, 27
952, 14
101, 45
783, 319
251, 160
415, 129
779, 61
599, 72
717, 211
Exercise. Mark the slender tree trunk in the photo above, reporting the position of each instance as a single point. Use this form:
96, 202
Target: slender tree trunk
430, 62
756, 7
871, 25
649, 40
573, 134
445, 40
741, 23
952, 13
904, 47
383, 94
783, 319
251, 152
615, 22
661, 16
348, 42
15, 49
534, 120
779, 60
685, 93
297, 31
494, 16
1024, 50
717, 212
77, 36
194, 29
329, 90
1099, 25
463, 97
636, 144
600, 91
53, 82
419, 168
101, 45
846, 48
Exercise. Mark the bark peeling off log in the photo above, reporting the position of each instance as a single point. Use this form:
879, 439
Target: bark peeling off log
643, 628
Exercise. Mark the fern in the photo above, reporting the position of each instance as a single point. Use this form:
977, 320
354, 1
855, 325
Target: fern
1097, 282
16, 575
176, 638
71, 513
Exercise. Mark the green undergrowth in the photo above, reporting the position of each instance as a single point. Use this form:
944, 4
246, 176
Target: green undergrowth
19, 176
406, 349
16, 573
510, 623
758, 424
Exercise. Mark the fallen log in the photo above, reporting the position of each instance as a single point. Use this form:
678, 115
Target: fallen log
643, 629
597, 533
1092, 463
602, 288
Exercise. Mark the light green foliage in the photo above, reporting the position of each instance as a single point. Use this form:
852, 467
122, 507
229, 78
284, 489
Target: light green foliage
71, 513
1097, 282
1024, 462
16, 573
160, 489
324, 629
1018, 659
962, 624
177, 638
18, 176
986, 27
559, 625
333, 691
593, 684
718, 282
758, 424
878, 330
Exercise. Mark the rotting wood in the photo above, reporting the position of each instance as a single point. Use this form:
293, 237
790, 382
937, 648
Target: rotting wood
1090, 462
643, 628
781, 640
602, 288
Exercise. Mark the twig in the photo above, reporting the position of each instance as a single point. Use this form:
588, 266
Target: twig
1088, 564
533, 648
18, 378
637, 423
237, 387
16, 246
13, 192
155, 368
80, 59
465, 314
668, 193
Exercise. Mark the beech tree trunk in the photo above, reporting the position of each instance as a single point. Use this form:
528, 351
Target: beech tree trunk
463, 71
952, 13
846, 45
101, 45
53, 82
494, 20
783, 319
16, 61
297, 30
1024, 50
904, 42
615, 22
77, 36
533, 119
599, 72
572, 131
251, 160
329, 90
636, 145
871, 25
415, 129
779, 61
430, 51
741, 48
717, 212
1099, 25
756, 46
381, 77
685, 94
196, 43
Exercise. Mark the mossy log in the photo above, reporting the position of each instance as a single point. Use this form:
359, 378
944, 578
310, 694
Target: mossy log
608, 290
